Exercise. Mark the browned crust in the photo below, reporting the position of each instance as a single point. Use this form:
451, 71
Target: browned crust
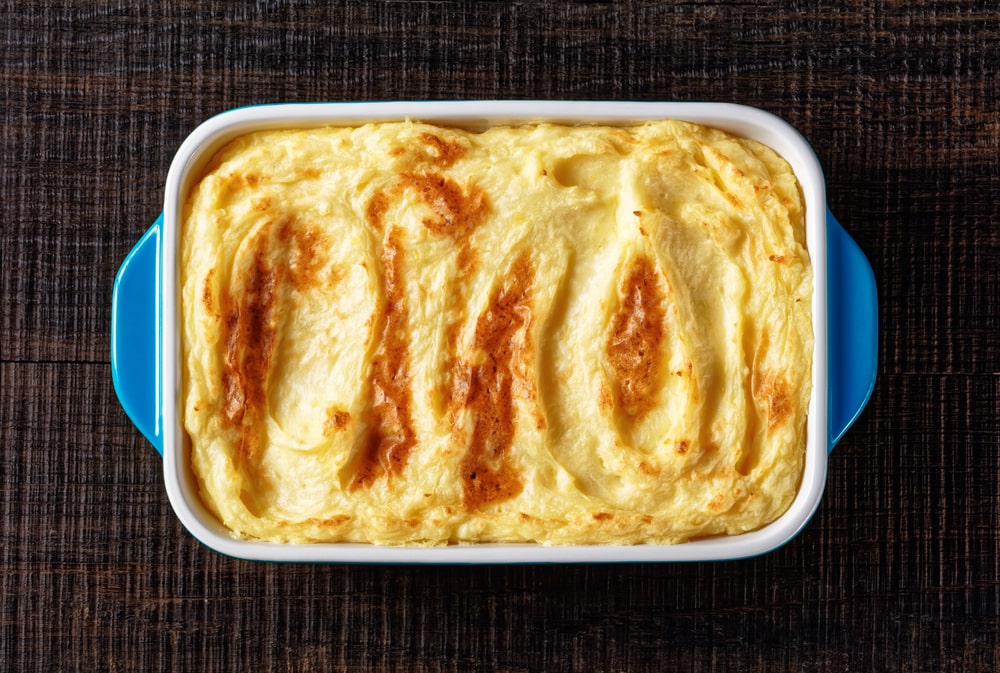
634, 337
391, 436
443, 152
776, 392
502, 345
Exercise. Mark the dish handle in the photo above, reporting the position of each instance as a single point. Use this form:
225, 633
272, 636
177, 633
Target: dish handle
852, 315
135, 335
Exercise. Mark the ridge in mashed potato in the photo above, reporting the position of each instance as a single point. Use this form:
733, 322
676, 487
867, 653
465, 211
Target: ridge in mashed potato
405, 334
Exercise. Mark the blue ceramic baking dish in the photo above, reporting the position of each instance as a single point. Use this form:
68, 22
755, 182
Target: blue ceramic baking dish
144, 339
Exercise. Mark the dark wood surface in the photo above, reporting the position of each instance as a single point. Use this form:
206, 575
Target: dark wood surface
898, 571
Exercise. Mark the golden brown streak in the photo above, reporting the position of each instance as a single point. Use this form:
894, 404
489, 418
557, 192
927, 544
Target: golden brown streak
502, 344
747, 454
375, 210
303, 247
634, 338
249, 334
446, 152
391, 435
457, 212
206, 293
775, 390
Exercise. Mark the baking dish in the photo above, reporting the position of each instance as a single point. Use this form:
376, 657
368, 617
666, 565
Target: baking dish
145, 345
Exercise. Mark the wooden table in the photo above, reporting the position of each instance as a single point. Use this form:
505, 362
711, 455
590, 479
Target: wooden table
899, 569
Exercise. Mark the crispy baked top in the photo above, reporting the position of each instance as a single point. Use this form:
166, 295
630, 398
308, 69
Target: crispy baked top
406, 334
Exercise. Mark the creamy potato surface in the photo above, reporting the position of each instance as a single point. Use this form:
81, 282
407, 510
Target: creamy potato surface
407, 334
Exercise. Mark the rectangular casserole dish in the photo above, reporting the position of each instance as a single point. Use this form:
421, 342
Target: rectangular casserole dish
145, 324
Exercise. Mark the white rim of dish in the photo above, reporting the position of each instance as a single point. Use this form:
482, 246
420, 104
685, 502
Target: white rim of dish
740, 120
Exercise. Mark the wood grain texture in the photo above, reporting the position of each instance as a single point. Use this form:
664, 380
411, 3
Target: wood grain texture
898, 571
